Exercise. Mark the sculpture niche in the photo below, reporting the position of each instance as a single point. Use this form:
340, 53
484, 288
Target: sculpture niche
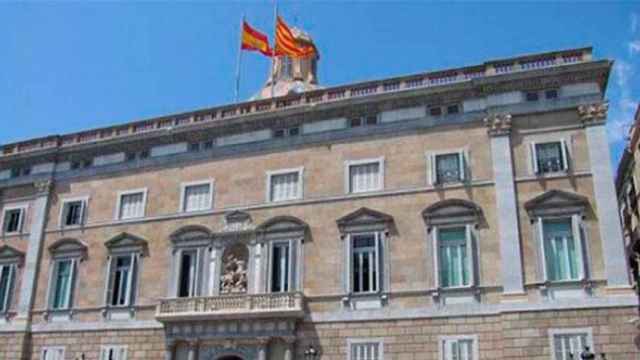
234, 275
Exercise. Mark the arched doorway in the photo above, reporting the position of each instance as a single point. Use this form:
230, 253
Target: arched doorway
230, 357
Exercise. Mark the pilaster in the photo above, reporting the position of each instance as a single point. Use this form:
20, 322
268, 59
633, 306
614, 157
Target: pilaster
499, 130
34, 250
593, 117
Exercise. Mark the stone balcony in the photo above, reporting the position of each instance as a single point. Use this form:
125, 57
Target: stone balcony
231, 307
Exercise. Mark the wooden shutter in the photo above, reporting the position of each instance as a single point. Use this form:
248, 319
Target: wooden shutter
108, 279
534, 158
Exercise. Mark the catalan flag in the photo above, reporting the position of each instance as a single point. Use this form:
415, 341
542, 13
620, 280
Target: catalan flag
288, 45
254, 40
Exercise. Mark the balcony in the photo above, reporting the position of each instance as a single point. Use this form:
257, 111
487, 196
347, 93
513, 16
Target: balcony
230, 307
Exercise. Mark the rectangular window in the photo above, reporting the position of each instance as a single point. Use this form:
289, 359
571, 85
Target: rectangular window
551, 94
550, 157
563, 259
12, 220
435, 111
280, 271
569, 346
197, 197
366, 351
365, 177
73, 213
7, 278
532, 96
132, 205
365, 263
122, 280
453, 109
355, 122
187, 279
449, 168
285, 186
458, 349
52, 353
453, 255
112, 352
63, 271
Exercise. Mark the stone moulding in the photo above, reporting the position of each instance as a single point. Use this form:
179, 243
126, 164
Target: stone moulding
593, 114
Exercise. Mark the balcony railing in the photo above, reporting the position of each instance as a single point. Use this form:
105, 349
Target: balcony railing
230, 306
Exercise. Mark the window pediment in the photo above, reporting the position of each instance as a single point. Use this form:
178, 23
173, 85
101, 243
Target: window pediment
283, 226
452, 211
556, 202
68, 248
237, 221
126, 242
10, 255
364, 219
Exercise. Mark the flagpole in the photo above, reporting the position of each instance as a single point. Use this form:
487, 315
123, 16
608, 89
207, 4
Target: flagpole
273, 57
239, 61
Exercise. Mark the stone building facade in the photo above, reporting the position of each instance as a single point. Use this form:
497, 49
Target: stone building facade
461, 214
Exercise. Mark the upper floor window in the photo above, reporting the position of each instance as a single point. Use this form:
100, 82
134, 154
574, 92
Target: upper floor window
65, 256
365, 175
454, 250
13, 219
10, 259
284, 185
551, 94
191, 248
125, 252
366, 349
558, 219
568, 344
197, 196
73, 212
284, 132
451, 109
367, 120
365, 265
549, 157
447, 167
458, 348
131, 204
52, 353
532, 96
113, 352
20, 171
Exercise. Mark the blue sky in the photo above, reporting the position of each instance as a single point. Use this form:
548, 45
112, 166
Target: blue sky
69, 66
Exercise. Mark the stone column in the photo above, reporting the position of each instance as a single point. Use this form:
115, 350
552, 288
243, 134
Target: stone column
499, 130
40, 206
214, 270
193, 349
594, 117
290, 348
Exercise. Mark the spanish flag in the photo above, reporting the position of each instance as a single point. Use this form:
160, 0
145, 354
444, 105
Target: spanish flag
254, 40
288, 45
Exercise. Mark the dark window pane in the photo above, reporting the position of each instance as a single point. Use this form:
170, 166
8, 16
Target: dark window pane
208, 144
294, 131
12, 220
355, 122
447, 168
532, 96
73, 214
372, 120
435, 111
185, 276
193, 147
453, 109
144, 154
549, 157
551, 94
278, 133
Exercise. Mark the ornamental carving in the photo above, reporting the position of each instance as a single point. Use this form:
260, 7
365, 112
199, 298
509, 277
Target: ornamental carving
498, 124
593, 113
234, 273
42, 187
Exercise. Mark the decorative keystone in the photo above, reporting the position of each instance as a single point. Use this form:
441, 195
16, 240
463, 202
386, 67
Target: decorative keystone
593, 114
498, 124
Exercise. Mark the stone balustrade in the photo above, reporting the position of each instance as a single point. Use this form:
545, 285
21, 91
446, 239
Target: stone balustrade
230, 306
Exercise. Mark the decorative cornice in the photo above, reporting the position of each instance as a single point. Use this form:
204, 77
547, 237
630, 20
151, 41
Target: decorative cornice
593, 114
498, 124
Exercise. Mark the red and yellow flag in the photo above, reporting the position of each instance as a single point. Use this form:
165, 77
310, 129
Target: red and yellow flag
254, 40
287, 44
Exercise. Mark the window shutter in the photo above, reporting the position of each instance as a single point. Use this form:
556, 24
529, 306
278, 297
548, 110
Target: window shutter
436, 257
130, 275
433, 175
543, 253
565, 155
534, 158
462, 163
378, 262
70, 284
122, 353
108, 278
579, 243
349, 270
472, 254
293, 265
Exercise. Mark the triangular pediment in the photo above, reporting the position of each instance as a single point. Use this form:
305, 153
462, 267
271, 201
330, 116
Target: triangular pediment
364, 216
126, 240
9, 254
556, 198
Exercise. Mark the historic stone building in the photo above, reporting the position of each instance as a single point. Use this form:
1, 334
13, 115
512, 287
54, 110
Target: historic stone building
461, 214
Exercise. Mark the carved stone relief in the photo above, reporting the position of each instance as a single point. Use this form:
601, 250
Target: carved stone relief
234, 270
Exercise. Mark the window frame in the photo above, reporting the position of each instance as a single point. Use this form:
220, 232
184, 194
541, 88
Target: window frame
53, 283
351, 342
121, 194
132, 276
43, 351
565, 153
23, 208
471, 254
556, 332
347, 174
576, 232
443, 340
10, 290
463, 164
104, 351
84, 200
269, 182
183, 194
378, 258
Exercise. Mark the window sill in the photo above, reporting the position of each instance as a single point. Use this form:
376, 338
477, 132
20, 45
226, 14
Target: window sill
566, 289
118, 313
58, 315
456, 295
365, 301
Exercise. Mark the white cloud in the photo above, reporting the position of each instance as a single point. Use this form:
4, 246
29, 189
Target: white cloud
622, 112
634, 47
